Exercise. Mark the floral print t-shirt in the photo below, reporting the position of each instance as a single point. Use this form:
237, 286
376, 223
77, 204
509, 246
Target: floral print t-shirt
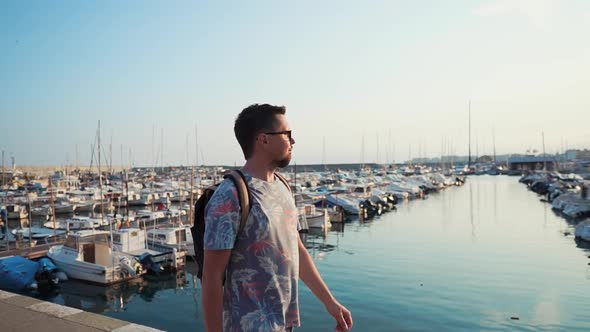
260, 291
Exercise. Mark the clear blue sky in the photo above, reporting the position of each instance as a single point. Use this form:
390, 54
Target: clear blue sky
397, 72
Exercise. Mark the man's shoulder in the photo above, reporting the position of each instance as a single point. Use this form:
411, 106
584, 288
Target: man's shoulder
224, 190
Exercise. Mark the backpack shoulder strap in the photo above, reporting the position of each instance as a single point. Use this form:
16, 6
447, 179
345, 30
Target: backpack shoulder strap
284, 181
239, 181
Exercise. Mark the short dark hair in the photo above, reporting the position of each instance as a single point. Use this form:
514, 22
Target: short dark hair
254, 120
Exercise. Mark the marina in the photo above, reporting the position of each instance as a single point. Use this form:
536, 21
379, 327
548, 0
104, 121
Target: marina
481, 253
437, 156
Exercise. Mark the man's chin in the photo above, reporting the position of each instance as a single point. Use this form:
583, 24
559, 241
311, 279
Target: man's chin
283, 163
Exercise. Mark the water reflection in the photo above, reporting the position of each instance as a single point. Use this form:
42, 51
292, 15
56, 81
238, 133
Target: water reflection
114, 298
495, 202
473, 237
478, 267
318, 241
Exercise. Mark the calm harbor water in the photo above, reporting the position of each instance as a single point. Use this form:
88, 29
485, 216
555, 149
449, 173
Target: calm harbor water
485, 256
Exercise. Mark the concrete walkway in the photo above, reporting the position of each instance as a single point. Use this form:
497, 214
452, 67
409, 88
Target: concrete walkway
22, 313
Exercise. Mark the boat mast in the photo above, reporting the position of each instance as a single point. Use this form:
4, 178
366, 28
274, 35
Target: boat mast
126, 196
544, 157
324, 152
190, 217
29, 218
388, 154
161, 149
469, 139
77, 166
494, 142
377, 154
52, 204
180, 196
196, 162
100, 178
294, 178
122, 159
187, 155
362, 153
2, 168
111, 155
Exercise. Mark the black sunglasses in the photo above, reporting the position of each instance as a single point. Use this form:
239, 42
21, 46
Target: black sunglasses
285, 132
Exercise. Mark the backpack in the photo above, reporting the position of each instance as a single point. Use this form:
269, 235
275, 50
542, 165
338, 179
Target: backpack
198, 228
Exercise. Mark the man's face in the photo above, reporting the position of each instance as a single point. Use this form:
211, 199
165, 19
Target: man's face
280, 142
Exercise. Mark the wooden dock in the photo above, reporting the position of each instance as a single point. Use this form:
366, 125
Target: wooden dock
33, 252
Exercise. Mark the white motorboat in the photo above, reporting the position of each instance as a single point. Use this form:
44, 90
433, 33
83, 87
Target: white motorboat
178, 237
583, 230
565, 199
175, 213
135, 199
64, 207
87, 255
335, 214
132, 241
182, 196
37, 233
16, 211
106, 206
142, 216
41, 211
577, 209
314, 218
85, 205
349, 204
74, 223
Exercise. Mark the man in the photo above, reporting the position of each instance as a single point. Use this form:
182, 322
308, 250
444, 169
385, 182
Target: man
250, 279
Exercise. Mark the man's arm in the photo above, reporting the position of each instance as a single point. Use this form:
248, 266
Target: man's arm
311, 277
222, 219
215, 263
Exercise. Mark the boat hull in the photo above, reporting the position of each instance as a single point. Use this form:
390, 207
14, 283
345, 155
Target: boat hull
90, 272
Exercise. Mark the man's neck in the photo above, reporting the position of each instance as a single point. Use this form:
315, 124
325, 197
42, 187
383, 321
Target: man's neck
260, 170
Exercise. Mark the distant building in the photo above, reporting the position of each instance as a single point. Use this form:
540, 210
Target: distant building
571, 155
531, 163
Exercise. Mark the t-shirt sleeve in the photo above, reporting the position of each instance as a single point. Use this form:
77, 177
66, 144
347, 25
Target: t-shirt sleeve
222, 218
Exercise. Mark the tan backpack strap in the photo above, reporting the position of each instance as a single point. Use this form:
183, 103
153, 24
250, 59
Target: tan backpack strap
284, 181
243, 195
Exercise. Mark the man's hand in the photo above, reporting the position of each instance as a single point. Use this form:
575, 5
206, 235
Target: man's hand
342, 316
